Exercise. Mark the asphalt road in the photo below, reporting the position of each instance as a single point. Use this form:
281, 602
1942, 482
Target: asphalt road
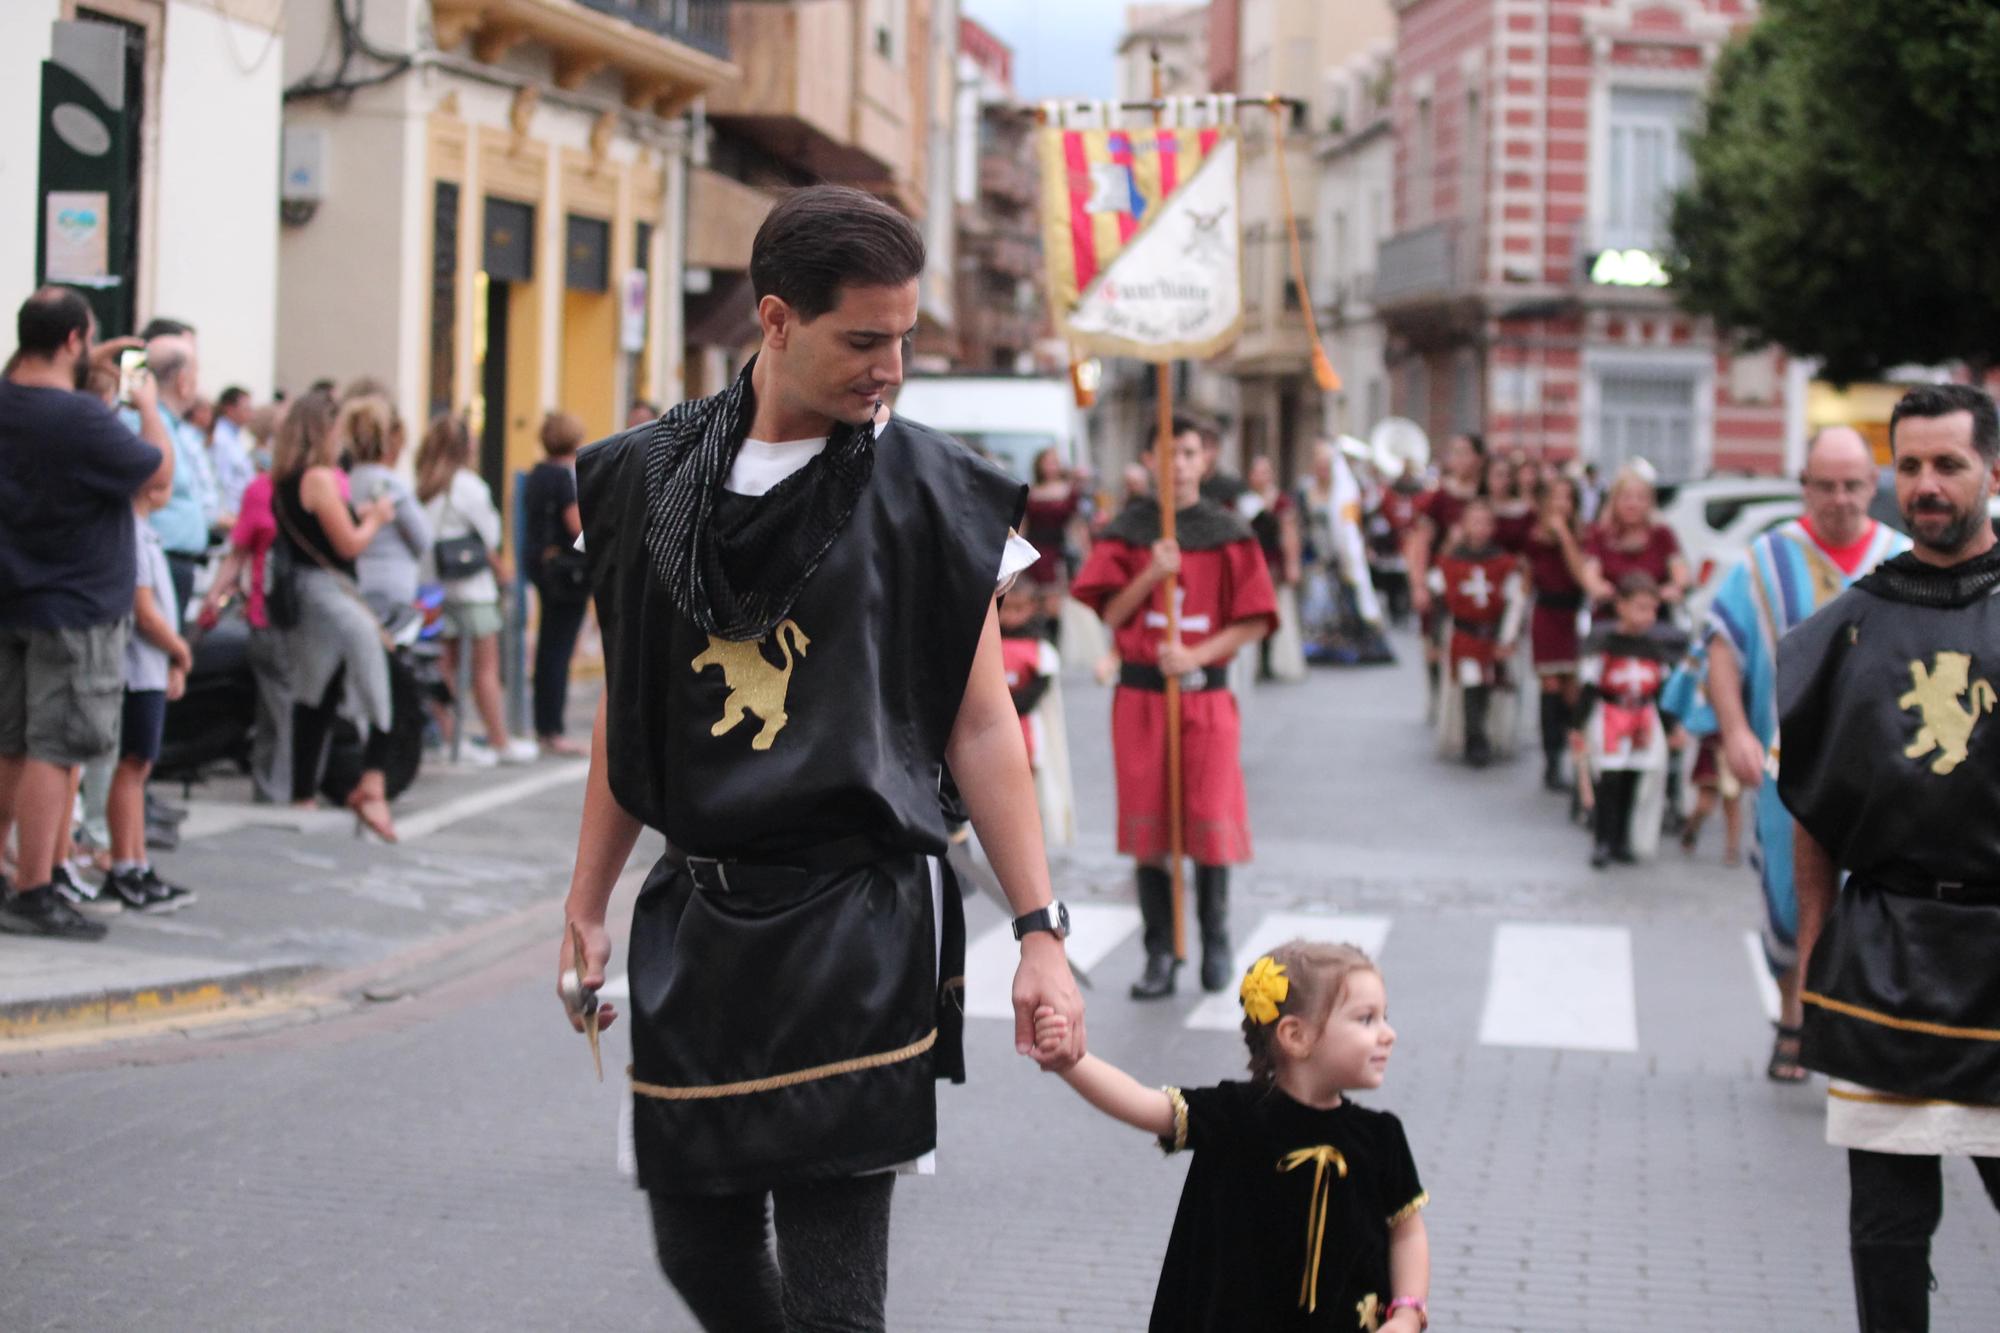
1579, 1069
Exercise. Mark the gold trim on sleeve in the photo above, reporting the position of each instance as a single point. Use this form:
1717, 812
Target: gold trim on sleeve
1409, 1210
1179, 1103
708, 1092
1893, 1099
1900, 1024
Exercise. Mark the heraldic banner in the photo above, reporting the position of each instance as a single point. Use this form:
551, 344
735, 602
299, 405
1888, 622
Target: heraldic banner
1141, 235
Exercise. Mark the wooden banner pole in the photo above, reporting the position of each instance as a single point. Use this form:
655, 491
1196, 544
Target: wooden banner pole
1163, 466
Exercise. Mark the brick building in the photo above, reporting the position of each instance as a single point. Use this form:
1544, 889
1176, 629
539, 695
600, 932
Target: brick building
999, 265
1538, 142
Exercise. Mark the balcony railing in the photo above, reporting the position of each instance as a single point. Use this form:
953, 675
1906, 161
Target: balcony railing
1427, 264
702, 24
1007, 179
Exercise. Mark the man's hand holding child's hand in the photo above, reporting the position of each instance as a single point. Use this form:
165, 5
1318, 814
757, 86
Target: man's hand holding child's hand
1051, 1031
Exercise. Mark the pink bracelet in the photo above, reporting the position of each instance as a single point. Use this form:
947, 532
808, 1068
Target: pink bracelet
1408, 1303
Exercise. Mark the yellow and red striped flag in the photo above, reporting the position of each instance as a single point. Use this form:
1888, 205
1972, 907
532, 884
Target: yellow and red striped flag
1141, 236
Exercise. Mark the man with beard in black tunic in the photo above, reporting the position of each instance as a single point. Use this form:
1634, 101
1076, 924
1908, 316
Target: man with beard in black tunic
1890, 762
798, 615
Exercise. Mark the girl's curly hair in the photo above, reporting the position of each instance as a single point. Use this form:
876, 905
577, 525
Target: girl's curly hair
1318, 975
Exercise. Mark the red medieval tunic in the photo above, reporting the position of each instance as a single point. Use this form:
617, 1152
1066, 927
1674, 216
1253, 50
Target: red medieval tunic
1475, 595
1442, 507
1220, 584
1513, 522
1021, 657
1558, 597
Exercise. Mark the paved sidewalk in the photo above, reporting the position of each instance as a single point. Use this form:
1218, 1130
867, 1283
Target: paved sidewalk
287, 896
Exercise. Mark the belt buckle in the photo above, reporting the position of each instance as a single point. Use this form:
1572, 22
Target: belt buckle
695, 863
1192, 681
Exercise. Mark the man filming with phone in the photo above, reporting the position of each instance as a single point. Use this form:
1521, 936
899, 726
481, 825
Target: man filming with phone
68, 472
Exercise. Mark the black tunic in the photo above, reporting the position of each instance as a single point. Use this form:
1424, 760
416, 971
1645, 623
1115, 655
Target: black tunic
1891, 760
832, 730
1239, 1255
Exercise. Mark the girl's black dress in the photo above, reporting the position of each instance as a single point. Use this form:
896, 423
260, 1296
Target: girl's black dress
1271, 1181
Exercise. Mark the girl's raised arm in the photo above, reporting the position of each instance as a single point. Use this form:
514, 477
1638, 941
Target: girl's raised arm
1106, 1086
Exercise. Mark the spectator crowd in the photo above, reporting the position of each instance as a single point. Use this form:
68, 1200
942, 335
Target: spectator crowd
145, 527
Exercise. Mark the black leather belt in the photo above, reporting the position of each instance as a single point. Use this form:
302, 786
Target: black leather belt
1560, 601
1478, 629
728, 874
1136, 677
1937, 890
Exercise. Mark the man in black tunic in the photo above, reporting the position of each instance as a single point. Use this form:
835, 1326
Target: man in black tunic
799, 628
1891, 765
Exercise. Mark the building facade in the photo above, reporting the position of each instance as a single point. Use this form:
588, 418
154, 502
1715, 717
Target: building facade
1357, 170
485, 206
1538, 142
106, 105
1000, 292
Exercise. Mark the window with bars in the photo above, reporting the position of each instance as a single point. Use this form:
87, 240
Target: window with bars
1645, 162
1650, 417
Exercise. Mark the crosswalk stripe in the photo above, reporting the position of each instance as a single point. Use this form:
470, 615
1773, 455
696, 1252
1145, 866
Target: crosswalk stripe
1561, 986
1095, 929
1767, 989
1221, 1013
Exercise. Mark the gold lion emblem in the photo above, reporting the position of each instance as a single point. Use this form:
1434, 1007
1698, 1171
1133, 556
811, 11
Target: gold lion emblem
755, 685
1948, 724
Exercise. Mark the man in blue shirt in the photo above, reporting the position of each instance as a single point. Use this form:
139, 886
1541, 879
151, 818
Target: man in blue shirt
68, 472
184, 522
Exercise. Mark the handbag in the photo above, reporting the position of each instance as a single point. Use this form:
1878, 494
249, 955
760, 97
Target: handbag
565, 575
281, 593
459, 557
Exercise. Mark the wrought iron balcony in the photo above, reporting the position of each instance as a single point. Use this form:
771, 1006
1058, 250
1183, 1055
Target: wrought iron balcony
702, 24
1426, 265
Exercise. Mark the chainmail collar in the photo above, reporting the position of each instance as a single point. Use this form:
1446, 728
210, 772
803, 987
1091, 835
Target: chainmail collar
1908, 579
688, 457
1202, 526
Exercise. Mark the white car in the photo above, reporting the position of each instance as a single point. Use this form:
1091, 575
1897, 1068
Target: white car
1704, 516
1728, 547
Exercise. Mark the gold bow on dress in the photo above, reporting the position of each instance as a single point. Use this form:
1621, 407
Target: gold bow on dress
1320, 1157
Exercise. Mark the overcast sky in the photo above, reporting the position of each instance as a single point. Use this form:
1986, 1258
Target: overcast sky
1062, 48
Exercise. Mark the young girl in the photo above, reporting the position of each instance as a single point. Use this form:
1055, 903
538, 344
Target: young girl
1301, 1210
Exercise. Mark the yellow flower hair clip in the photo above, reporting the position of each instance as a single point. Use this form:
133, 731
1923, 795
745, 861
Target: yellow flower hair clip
1265, 987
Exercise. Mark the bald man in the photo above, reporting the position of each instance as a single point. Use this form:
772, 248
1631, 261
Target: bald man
1788, 574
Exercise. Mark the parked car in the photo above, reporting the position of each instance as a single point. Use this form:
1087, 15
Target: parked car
1703, 515
1732, 544
1010, 418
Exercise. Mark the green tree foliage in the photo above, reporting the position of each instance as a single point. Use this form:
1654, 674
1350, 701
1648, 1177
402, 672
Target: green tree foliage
1846, 194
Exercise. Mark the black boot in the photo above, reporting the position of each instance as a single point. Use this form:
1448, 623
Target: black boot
1431, 675
1156, 911
1555, 739
1621, 841
1892, 1288
1605, 820
1478, 752
1211, 888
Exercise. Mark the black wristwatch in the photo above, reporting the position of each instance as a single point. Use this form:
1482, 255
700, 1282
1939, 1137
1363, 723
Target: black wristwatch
1054, 918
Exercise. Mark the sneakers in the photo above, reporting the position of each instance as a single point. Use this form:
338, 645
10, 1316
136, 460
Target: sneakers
520, 750
145, 891
43, 912
472, 754
71, 888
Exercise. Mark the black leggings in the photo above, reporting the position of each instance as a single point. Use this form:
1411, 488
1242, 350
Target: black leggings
310, 725
830, 1273
1898, 1198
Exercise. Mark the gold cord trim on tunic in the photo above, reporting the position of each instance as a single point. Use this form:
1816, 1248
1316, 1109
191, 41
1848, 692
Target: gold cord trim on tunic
1179, 1139
707, 1092
1900, 1024
1893, 1099
1409, 1210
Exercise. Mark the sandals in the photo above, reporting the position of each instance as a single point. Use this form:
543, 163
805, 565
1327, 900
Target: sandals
1785, 1052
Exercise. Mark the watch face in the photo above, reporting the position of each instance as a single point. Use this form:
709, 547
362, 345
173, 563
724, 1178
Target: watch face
1062, 918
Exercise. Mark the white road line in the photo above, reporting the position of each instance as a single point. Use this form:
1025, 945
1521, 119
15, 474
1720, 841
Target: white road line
1767, 989
1095, 929
1561, 986
1223, 1013
426, 822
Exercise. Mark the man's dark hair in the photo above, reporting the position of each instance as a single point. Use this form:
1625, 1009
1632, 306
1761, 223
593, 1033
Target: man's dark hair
825, 237
230, 397
159, 326
48, 318
1184, 422
1942, 400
